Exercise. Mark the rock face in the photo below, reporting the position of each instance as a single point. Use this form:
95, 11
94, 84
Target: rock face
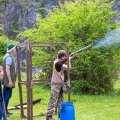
15, 18
18, 15
116, 6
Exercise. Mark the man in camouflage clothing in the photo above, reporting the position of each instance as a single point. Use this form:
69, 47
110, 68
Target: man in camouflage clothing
57, 82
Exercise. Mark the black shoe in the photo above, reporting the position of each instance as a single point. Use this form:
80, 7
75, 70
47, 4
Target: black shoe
49, 118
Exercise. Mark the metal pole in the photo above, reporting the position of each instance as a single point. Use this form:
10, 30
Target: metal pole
29, 82
68, 76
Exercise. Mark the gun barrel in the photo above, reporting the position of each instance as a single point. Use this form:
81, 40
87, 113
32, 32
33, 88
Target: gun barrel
82, 49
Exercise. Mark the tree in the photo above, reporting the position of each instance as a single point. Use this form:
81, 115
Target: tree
79, 24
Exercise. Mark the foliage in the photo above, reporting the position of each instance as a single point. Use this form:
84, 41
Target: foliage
79, 24
96, 71
4, 41
3, 46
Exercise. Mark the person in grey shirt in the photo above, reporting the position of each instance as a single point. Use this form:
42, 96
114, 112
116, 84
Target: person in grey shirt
9, 74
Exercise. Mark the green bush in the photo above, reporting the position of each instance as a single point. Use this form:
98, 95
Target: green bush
3, 46
94, 71
79, 24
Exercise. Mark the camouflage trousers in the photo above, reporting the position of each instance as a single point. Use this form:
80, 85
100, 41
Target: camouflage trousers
55, 99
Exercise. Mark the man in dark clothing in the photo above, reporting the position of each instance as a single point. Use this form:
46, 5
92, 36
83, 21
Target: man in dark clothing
1, 99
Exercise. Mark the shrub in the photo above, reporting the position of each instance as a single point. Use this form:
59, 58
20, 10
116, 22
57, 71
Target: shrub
3, 46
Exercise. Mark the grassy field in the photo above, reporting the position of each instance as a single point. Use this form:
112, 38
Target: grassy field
86, 107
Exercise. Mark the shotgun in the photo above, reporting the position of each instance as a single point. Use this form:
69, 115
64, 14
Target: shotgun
73, 54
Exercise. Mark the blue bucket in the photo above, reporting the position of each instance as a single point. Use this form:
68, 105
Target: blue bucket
67, 111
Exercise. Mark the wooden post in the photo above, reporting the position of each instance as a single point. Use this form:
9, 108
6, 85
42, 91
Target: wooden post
29, 82
19, 83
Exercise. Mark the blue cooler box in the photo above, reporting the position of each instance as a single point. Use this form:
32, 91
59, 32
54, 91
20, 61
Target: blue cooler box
67, 111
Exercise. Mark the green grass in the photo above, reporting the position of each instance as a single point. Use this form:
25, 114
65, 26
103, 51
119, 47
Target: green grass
117, 84
86, 107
